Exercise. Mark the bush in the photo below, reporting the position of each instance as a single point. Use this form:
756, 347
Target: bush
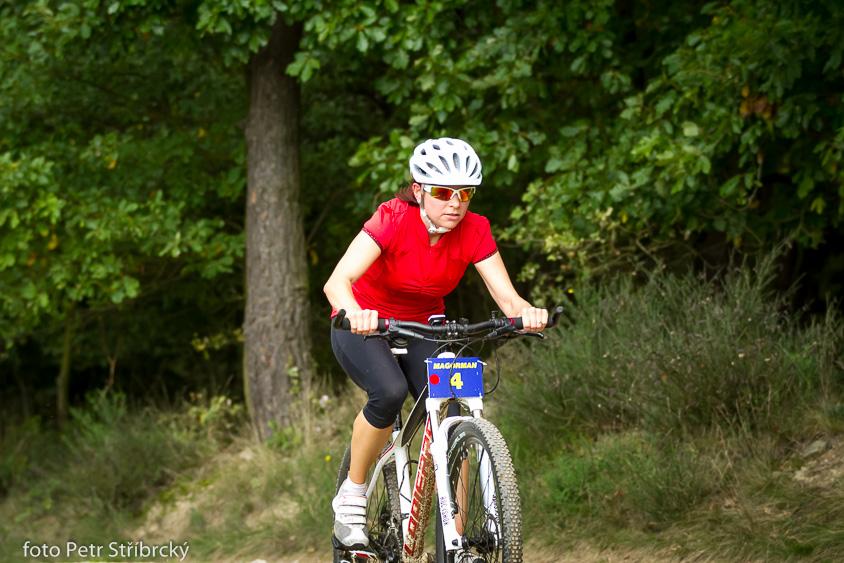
16, 448
666, 398
628, 479
678, 354
115, 459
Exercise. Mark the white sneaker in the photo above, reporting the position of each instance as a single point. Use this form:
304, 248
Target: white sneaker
461, 556
350, 520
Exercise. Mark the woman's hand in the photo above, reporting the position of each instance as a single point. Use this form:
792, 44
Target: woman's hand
534, 319
363, 322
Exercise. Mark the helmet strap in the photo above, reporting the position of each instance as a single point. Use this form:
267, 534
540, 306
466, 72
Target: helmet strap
432, 229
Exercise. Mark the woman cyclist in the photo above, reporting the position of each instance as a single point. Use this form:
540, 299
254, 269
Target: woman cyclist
409, 255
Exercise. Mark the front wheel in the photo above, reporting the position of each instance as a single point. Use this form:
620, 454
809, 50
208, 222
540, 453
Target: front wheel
486, 496
383, 513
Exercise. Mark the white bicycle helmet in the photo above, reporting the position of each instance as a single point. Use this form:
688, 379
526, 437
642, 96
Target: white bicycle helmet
446, 162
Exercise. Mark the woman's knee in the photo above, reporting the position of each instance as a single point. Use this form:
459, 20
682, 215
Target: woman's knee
385, 404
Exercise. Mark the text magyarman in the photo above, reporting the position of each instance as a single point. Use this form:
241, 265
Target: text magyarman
134, 549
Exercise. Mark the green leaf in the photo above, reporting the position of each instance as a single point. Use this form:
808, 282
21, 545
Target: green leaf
223, 26
805, 187
730, 187
554, 164
705, 164
426, 81
362, 42
690, 129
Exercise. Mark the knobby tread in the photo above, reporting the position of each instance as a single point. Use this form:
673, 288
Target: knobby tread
504, 476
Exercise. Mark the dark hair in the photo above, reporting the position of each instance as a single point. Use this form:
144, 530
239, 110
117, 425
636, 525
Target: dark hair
406, 194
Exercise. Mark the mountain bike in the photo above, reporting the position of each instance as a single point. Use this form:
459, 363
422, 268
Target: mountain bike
463, 460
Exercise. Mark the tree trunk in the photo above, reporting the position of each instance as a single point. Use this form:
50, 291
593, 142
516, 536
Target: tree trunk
277, 345
63, 380
26, 409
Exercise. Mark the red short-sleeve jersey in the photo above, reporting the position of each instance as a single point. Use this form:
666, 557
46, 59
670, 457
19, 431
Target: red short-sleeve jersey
410, 278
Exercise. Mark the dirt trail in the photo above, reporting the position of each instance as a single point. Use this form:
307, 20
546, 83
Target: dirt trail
532, 554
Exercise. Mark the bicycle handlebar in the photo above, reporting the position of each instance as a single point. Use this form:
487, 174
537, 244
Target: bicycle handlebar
416, 330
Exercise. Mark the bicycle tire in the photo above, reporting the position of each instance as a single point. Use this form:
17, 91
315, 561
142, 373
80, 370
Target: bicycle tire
493, 529
383, 512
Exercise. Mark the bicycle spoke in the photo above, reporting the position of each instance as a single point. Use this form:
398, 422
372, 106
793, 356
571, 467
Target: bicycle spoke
476, 499
484, 489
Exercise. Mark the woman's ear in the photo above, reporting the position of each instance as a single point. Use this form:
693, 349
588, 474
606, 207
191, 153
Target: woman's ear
417, 192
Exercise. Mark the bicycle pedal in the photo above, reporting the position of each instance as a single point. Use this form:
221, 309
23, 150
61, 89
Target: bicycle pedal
358, 556
351, 550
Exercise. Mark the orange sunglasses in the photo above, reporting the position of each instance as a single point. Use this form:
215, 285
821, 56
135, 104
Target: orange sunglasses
444, 193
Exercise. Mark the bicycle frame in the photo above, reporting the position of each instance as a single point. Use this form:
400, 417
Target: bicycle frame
416, 504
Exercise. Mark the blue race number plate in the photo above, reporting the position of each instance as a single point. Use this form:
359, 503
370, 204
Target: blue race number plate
455, 377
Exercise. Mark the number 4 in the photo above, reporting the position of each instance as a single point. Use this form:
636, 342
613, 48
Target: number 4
456, 381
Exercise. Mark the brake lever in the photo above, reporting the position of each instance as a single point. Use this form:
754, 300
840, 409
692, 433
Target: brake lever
379, 335
498, 332
529, 333
394, 332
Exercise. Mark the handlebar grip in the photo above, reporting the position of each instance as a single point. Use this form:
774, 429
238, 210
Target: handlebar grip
555, 318
340, 322
552, 322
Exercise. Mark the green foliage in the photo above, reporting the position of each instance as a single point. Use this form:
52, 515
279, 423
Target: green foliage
107, 461
681, 353
20, 444
285, 439
606, 128
707, 463
622, 126
732, 136
221, 418
628, 479
100, 440
121, 176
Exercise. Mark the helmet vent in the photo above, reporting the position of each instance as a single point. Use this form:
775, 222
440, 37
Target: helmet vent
456, 162
434, 168
445, 163
474, 170
436, 147
418, 169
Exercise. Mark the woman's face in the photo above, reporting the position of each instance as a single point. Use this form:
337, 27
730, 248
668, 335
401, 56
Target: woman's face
443, 213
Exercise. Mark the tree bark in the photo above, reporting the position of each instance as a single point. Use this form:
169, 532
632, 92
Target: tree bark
277, 360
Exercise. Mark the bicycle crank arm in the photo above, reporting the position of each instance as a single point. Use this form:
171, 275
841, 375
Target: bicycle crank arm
357, 556
352, 554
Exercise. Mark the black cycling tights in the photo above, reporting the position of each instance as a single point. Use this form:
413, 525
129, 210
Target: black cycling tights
370, 364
